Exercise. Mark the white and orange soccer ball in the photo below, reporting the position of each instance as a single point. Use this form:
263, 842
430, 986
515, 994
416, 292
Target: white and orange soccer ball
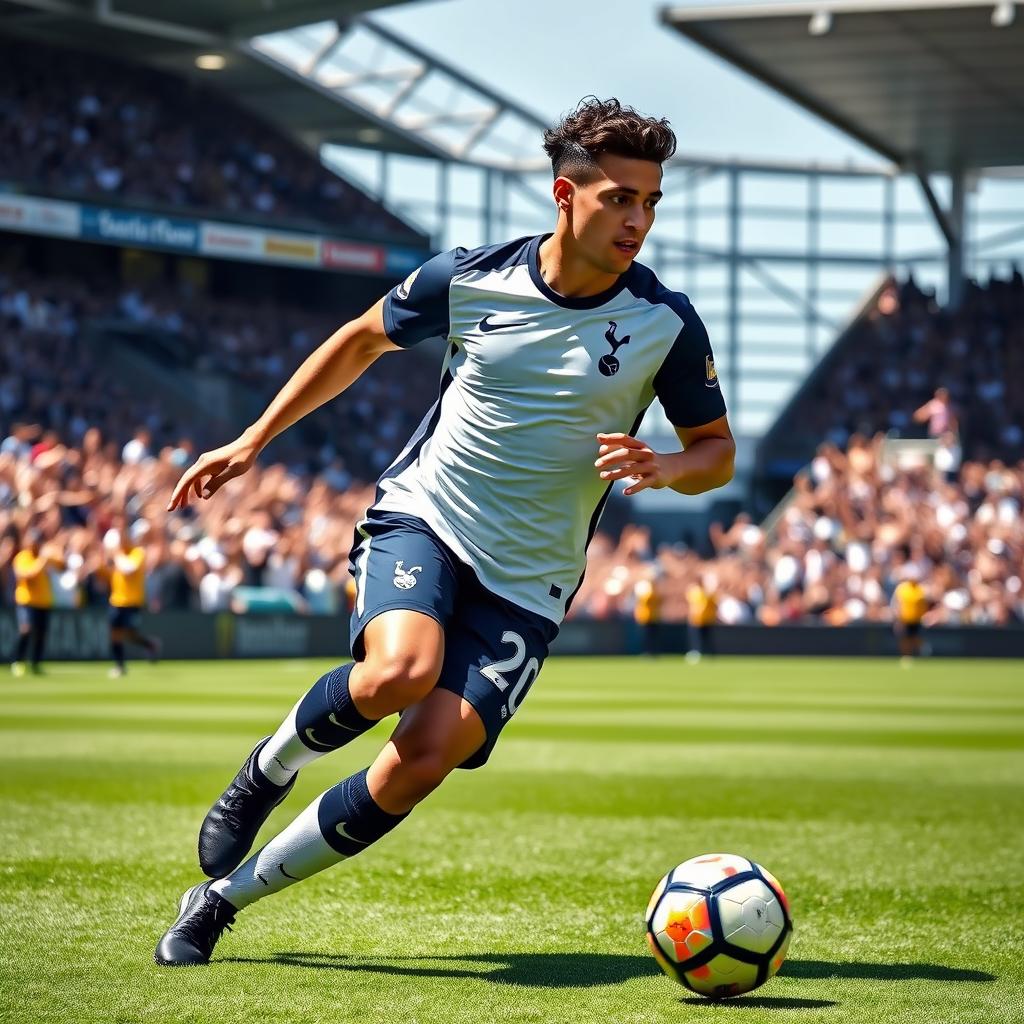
719, 924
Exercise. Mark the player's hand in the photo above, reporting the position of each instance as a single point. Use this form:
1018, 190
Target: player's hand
216, 468
622, 456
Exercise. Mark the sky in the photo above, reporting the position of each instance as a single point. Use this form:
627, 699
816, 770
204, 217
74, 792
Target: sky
547, 54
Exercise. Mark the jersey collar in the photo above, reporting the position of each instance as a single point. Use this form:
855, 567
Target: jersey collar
586, 302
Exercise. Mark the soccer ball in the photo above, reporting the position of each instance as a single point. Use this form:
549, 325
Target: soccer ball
719, 924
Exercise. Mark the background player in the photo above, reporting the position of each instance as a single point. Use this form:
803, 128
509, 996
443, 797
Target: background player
33, 597
701, 616
909, 603
126, 571
476, 543
647, 613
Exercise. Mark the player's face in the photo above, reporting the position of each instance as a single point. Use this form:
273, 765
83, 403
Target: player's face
611, 216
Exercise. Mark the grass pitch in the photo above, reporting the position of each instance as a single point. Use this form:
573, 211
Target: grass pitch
888, 802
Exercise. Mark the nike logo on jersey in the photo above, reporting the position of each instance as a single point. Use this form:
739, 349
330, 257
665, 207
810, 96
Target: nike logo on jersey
486, 326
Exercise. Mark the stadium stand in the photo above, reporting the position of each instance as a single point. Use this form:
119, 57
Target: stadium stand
255, 346
858, 524
73, 124
884, 371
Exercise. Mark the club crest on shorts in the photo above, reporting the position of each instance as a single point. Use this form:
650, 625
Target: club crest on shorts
404, 578
710, 373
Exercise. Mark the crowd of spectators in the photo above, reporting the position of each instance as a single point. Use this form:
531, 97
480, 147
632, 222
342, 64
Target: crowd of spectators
888, 365
74, 123
858, 524
84, 456
48, 377
274, 529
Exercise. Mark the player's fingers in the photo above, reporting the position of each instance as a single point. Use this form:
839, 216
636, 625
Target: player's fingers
218, 480
620, 472
623, 440
618, 454
179, 496
642, 484
615, 455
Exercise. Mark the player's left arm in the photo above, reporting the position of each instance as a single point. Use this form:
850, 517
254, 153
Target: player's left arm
707, 460
688, 389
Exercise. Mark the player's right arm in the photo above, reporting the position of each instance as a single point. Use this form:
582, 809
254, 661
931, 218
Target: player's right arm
328, 371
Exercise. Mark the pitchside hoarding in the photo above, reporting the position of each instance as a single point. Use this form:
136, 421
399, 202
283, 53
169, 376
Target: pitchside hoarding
216, 239
83, 636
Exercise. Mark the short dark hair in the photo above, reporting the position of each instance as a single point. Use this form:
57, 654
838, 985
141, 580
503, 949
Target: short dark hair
605, 126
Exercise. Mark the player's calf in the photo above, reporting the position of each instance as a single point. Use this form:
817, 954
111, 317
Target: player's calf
337, 825
324, 719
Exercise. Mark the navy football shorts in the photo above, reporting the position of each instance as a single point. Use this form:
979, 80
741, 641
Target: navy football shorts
494, 649
123, 618
30, 618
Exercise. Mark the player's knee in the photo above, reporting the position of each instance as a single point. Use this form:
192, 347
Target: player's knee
399, 679
420, 773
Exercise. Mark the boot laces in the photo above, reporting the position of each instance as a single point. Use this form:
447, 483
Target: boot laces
204, 927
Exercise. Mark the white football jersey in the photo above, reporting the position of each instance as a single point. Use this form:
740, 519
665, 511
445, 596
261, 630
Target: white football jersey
502, 467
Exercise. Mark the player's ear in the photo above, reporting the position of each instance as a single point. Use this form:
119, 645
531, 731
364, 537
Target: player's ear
563, 190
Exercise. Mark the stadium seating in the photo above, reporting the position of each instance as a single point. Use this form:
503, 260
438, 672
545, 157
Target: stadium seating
84, 454
889, 364
857, 525
256, 346
75, 124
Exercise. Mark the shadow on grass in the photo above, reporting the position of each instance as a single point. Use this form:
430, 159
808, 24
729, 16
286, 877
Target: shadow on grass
761, 1002
575, 970
818, 969
541, 970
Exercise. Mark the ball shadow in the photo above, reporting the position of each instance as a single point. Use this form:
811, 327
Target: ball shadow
760, 1002
821, 969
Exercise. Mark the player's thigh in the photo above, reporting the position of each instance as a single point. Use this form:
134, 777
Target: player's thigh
406, 587
493, 655
432, 738
403, 644
122, 620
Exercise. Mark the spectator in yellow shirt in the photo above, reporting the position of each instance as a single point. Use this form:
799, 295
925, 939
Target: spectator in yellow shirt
909, 603
33, 597
647, 613
126, 570
702, 614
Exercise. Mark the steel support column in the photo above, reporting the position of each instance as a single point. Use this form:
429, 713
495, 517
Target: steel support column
958, 221
734, 291
813, 248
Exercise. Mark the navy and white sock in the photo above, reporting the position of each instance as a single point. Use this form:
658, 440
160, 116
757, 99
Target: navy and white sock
337, 825
325, 719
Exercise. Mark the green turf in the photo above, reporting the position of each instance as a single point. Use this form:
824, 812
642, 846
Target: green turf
888, 802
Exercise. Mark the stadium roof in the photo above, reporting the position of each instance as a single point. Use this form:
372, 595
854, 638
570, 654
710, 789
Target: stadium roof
170, 37
933, 85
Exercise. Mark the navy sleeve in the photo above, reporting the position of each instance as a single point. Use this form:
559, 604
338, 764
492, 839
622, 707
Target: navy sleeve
417, 308
686, 383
